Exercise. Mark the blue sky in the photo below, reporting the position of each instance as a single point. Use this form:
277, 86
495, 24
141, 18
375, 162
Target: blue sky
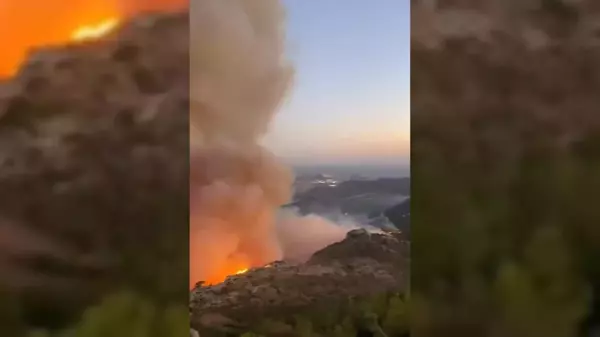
350, 101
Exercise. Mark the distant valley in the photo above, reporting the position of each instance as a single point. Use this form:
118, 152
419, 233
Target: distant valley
379, 202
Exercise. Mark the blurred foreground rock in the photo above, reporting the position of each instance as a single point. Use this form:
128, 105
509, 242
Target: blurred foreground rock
93, 167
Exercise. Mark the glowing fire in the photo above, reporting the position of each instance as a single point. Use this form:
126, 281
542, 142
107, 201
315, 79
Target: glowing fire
93, 32
29, 24
241, 271
226, 272
223, 275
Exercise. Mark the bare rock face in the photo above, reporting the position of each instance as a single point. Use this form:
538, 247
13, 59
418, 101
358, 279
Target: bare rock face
363, 264
93, 162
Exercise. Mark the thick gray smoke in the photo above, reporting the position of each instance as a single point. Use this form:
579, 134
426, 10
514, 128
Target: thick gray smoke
239, 78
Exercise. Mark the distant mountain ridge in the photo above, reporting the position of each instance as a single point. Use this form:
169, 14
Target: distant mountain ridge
362, 200
399, 215
332, 195
346, 172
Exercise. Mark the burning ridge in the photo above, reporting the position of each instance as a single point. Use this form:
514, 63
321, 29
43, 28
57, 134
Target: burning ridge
360, 265
237, 186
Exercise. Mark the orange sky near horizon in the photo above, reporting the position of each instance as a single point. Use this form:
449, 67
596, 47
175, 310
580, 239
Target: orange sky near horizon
30, 23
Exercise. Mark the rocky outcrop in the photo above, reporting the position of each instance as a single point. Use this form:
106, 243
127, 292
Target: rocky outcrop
362, 264
388, 248
93, 164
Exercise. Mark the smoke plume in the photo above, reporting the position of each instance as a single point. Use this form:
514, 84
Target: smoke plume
239, 78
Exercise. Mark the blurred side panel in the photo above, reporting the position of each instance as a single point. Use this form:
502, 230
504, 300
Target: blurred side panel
506, 168
94, 168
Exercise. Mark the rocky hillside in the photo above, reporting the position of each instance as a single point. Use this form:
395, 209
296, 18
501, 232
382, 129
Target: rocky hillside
93, 167
361, 265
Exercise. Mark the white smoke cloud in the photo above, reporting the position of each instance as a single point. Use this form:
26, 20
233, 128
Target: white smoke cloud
238, 80
302, 236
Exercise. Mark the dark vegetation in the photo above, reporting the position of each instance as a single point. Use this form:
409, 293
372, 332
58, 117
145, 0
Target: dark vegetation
382, 315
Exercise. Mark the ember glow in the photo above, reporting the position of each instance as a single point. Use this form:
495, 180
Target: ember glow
241, 271
29, 24
224, 273
236, 185
95, 31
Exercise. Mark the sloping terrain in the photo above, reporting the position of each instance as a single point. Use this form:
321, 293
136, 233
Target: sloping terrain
362, 265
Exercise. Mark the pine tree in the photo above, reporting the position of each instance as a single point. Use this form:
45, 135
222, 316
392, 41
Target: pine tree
126, 314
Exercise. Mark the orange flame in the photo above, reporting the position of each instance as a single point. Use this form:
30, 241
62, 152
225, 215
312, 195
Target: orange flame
241, 271
96, 31
28, 24
224, 273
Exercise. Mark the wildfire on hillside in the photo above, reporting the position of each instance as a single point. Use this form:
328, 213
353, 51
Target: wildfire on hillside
90, 32
227, 272
27, 24
221, 275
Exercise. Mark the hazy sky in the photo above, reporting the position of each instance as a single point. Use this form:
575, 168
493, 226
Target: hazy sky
350, 102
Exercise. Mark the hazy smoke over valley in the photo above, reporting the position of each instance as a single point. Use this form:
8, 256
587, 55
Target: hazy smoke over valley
238, 80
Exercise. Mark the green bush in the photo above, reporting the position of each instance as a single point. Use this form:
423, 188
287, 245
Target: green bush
126, 314
395, 320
